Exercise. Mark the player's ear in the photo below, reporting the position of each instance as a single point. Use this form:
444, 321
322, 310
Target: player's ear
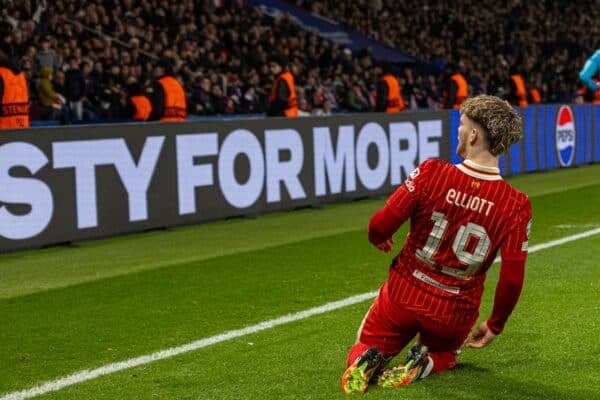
474, 136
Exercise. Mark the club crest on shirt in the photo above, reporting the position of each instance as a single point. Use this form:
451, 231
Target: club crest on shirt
475, 184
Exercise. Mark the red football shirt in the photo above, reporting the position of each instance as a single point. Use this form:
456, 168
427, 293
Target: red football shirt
461, 216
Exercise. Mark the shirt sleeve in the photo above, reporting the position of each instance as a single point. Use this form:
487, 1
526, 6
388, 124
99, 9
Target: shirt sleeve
400, 205
512, 271
514, 246
508, 290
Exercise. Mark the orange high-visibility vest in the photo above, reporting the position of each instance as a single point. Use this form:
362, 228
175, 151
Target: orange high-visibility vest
395, 103
142, 106
175, 108
291, 109
535, 96
15, 100
521, 93
462, 92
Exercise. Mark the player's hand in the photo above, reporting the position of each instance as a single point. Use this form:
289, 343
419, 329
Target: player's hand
481, 337
386, 245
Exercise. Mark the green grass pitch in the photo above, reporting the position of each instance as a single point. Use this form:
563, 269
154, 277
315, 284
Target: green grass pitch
68, 309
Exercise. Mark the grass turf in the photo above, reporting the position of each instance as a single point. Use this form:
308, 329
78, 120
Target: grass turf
163, 289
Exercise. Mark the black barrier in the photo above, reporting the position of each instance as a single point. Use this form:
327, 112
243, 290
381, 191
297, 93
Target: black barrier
70, 184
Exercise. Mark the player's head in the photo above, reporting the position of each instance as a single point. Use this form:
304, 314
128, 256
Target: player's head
494, 119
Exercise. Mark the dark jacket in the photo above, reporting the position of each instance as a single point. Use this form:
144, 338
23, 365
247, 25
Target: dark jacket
74, 85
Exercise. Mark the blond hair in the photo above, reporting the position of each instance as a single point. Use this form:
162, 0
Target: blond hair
501, 124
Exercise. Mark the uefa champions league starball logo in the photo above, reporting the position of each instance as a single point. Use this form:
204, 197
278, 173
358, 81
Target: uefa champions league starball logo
565, 136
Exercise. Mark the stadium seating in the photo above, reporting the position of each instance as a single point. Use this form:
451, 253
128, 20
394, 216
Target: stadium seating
221, 49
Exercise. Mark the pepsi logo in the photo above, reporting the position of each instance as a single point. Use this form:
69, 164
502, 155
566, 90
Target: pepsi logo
565, 136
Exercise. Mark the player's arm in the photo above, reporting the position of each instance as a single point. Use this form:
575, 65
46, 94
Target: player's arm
591, 67
398, 208
507, 295
384, 223
510, 283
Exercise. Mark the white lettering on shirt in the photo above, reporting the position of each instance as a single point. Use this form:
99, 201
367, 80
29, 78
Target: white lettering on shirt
469, 201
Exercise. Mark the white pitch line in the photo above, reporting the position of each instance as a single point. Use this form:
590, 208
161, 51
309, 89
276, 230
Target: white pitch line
86, 375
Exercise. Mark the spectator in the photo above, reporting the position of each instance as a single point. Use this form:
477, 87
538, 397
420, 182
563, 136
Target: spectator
456, 89
324, 110
51, 102
578, 95
138, 105
282, 101
230, 38
14, 98
59, 81
517, 91
74, 90
218, 102
168, 97
442, 31
110, 95
303, 107
252, 103
234, 92
46, 57
200, 97
533, 95
389, 97
356, 100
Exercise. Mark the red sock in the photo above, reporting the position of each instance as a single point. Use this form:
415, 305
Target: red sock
355, 352
442, 361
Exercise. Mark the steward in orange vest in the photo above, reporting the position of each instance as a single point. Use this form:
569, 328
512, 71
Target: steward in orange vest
14, 95
138, 107
168, 97
142, 106
282, 101
389, 96
517, 95
534, 96
456, 89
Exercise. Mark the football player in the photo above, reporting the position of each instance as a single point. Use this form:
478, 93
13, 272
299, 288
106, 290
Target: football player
460, 216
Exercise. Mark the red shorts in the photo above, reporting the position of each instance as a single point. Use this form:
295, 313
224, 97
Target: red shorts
402, 310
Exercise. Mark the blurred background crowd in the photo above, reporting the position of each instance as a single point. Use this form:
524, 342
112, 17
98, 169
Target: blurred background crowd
93, 54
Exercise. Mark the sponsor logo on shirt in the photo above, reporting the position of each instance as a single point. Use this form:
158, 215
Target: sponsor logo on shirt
410, 185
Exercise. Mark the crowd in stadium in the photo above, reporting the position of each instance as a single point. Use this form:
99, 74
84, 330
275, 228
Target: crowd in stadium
94, 53
546, 41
